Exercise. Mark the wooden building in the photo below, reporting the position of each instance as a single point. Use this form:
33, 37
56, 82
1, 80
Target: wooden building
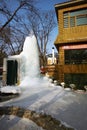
71, 42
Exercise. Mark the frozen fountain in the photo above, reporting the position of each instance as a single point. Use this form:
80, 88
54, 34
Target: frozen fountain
29, 60
24, 69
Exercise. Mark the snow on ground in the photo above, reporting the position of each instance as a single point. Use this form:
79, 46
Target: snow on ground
10, 122
63, 104
10, 89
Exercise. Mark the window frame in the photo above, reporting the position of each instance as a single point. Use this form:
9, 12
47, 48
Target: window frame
67, 16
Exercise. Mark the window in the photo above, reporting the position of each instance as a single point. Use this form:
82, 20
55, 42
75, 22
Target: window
66, 22
72, 21
75, 18
76, 56
81, 20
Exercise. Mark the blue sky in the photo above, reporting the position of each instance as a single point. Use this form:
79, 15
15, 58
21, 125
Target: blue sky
50, 5
43, 5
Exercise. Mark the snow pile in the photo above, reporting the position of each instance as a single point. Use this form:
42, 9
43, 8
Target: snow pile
10, 122
10, 89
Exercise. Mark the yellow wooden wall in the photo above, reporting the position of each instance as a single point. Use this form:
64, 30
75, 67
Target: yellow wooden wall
68, 36
72, 34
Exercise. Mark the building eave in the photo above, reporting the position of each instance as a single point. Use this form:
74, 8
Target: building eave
69, 41
68, 4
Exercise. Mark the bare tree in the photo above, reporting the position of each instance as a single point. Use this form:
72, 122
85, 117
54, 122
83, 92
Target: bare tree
11, 32
17, 25
10, 28
42, 27
23, 4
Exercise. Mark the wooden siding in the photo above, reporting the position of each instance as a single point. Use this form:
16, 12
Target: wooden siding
76, 69
58, 71
81, 68
72, 34
61, 56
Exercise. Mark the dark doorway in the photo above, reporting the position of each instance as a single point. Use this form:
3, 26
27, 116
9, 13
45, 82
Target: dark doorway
12, 67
